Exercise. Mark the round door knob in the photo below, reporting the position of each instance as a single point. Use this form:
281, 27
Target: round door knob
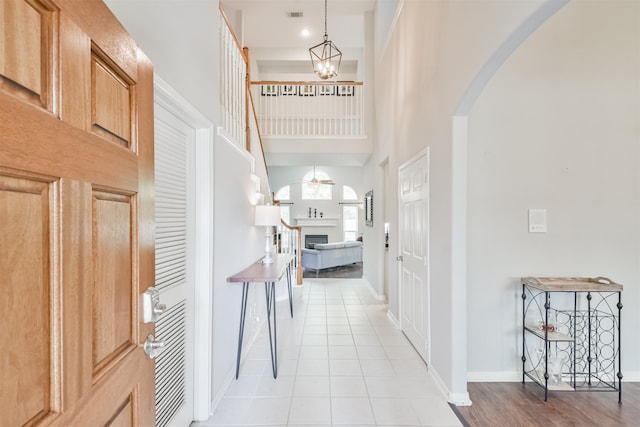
153, 347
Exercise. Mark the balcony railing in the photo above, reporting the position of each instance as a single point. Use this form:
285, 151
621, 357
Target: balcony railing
233, 84
309, 109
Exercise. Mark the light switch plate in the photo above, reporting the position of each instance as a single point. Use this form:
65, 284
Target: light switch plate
537, 220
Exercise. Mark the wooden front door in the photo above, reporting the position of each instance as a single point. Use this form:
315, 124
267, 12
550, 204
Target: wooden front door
76, 217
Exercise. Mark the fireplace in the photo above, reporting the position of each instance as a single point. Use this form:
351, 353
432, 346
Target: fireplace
310, 240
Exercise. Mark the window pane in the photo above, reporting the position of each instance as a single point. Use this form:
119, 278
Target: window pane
350, 222
285, 213
284, 193
316, 192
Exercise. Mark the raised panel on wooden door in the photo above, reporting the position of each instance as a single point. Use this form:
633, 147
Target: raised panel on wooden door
125, 415
111, 100
26, 289
26, 46
113, 290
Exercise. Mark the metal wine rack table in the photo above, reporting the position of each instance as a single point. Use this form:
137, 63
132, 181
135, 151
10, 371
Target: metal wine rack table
571, 333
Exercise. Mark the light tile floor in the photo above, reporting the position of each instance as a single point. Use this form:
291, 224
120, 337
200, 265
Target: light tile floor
341, 362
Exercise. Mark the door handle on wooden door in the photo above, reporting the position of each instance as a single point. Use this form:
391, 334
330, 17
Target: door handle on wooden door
399, 258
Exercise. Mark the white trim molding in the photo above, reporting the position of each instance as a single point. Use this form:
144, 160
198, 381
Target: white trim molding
516, 376
393, 319
244, 153
458, 399
494, 377
374, 293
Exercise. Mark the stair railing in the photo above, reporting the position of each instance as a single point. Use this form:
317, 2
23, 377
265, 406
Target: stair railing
290, 242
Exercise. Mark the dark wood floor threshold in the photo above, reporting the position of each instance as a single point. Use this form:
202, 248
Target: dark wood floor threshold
523, 405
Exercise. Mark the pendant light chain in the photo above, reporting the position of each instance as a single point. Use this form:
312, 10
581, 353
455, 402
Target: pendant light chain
326, 36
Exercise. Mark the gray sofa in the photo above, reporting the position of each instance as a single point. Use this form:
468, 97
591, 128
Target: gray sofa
327, 255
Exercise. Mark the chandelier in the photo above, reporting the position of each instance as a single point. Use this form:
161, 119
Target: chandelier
325, 57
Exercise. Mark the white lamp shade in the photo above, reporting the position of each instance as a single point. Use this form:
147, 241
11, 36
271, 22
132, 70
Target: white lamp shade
267, 215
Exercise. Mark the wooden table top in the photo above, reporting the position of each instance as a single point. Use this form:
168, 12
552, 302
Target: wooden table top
259, 272
573, 284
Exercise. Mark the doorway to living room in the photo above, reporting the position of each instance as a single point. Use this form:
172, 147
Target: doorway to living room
321, 259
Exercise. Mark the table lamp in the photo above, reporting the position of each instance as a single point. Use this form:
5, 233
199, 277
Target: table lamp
269, 216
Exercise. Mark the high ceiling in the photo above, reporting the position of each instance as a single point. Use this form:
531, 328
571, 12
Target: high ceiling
273, 31
267, 23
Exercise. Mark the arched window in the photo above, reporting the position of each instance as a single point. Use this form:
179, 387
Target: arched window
315, 191
349, 193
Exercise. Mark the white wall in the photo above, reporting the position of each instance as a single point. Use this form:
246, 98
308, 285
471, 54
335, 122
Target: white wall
237, 243
373, 250
176, 35
556, 128
386, 12
434, 52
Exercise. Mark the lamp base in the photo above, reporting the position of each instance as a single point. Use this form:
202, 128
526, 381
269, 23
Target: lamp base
267, 248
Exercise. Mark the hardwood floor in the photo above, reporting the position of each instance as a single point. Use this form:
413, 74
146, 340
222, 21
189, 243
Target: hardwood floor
523, 405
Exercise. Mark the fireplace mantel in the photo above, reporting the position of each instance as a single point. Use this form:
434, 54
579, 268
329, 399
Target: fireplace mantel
317, 222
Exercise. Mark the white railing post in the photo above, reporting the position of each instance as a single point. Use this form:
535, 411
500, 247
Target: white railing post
290, 241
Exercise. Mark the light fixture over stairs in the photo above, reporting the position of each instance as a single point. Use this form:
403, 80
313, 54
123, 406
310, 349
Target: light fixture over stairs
325, 57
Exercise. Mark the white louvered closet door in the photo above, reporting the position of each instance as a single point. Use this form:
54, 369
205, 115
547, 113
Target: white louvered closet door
174, 237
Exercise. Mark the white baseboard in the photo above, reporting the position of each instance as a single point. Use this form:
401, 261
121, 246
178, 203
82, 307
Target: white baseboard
231, 373
375, 294
516, 376
393, 319
458, 399
223, 390
494, 377
631, 377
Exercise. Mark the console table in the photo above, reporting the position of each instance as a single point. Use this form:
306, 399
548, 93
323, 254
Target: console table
269, 274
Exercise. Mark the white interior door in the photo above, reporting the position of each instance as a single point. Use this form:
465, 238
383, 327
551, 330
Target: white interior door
174, 237
413, 181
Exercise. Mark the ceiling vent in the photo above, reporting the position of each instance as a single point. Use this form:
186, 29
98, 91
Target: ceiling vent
295, 14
